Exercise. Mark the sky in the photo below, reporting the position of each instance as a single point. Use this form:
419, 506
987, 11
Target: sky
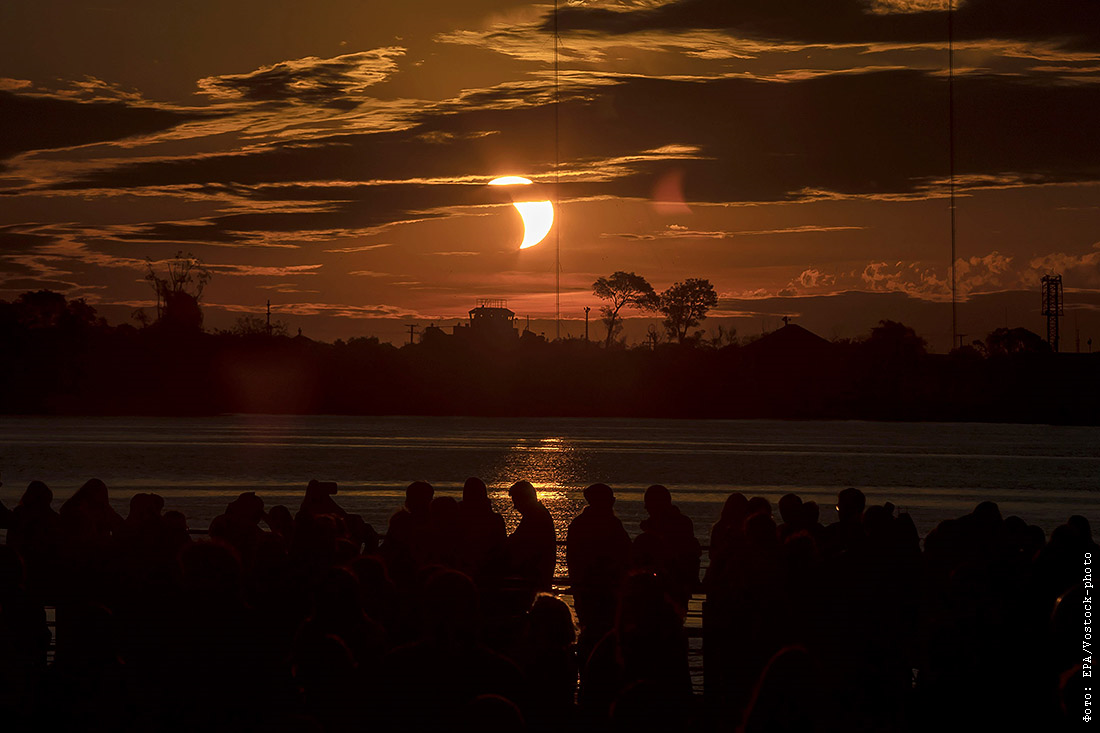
333, 157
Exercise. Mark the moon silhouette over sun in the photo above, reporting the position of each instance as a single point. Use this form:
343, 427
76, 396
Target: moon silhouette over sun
538, 216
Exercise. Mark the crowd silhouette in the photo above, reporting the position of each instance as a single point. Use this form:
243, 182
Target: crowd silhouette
310, 621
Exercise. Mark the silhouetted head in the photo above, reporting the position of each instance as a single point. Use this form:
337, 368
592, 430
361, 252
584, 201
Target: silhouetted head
758, 505
657, 499
523, 495
878, 523
281, 520
247, 507
315, 488
1081, 526
93, 492
850, 504
551, 622
735, 508
811, 513
143, 507
322, 661
418, 497
451, 605
37, 496
475, 495
787, 696
492, 714
790, 509
760, 530
599, 496
444, 510
175, 521
987, 513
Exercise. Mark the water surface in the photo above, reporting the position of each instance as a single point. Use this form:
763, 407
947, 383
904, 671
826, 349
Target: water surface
936, 471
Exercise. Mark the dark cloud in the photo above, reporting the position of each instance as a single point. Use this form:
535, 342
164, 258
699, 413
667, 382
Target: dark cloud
862, 134
357, 207
327, 82
179, 232
13, 240
11, 267
1070, 23
39, 122
24, 284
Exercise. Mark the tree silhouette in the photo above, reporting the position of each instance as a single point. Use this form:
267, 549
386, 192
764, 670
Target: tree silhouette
685, 305
47, 309
622, 289
1003, 341
895, 341
179, 292
255, 326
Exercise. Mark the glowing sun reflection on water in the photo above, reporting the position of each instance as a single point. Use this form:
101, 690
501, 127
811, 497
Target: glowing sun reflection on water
554, 466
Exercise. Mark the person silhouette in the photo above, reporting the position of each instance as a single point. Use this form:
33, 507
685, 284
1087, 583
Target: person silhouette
597, 551
406, 546
847, 533
545, 653
34, 531
794, 518
482, 531
239, 526
532, 547
24, 641
672, 534
318, 499
427, 683
87, 519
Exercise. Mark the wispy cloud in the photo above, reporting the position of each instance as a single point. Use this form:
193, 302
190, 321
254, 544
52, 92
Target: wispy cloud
335, 82
359, 248
678, 231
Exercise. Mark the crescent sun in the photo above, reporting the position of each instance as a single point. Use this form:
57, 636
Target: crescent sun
537, 216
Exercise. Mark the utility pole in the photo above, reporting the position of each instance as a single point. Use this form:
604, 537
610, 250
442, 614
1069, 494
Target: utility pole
412, 332
1052, 307
267, 325
586, 309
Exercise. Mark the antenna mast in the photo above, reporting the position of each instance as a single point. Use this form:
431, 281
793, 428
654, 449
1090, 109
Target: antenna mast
557, 189
951, 155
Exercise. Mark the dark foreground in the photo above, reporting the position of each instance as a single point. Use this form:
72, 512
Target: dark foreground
313, 624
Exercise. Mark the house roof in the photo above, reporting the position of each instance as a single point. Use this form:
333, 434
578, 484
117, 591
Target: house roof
789, 340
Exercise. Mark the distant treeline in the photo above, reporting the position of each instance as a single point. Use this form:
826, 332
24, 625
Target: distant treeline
60, 358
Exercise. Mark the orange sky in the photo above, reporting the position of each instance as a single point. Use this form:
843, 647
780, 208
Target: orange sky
333, 157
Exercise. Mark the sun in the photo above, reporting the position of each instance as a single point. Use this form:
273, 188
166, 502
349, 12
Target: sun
538, 216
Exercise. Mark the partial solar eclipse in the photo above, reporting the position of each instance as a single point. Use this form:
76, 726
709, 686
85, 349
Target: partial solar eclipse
538, 216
